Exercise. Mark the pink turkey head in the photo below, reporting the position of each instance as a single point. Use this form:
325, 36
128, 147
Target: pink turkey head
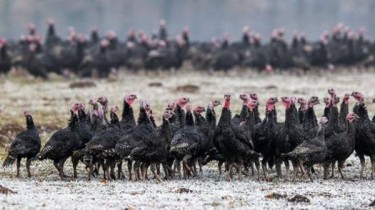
130, 98
270, 104
244, 98
252, 104
358, 96
199, 109
183, 101
287, 101
351, 116
75, 107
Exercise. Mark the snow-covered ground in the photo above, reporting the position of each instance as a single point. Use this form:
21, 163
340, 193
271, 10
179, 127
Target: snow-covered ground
49, 103
210, 191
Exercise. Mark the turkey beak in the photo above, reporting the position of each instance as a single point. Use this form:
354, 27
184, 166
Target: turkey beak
356, 116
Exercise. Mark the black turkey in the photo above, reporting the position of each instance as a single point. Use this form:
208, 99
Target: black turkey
25, 145
63, 142
311, 151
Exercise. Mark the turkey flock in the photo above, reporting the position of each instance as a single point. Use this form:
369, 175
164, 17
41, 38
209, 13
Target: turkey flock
102, 56
187, 139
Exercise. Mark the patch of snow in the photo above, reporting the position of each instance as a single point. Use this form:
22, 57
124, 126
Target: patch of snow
46, 191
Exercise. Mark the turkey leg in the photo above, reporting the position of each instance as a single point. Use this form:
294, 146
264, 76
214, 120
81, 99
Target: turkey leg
18, 166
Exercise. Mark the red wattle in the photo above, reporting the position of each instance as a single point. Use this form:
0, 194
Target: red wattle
227, 104
270, 107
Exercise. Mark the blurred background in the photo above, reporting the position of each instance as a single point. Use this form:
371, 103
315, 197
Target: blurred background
206, 18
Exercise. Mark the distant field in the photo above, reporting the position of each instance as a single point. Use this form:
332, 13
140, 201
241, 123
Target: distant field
49, 102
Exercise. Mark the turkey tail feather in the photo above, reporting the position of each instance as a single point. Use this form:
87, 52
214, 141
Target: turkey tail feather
9, 161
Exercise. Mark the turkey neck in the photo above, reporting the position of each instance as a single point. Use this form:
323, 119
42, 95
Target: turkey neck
103, 50
80, 50
95, 122
73, 122
290, 117
244, 112
30, 123
211, 117
245, 39
172, 119
295, 43
257, 114
295, 111
94, 37
105, 110
113, 44
301, 114
189, 118
186, 39
344, 110
127, 113
334, 118
225, 117
143, 118
227, 104
152, 120
310, 113
4, 51
199, 120
250, 121
362, 112
82, 116
166, 131
180, 115
39, 48
271, 118
51, 30
351, 129
327, 111
114, 120
321, 132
